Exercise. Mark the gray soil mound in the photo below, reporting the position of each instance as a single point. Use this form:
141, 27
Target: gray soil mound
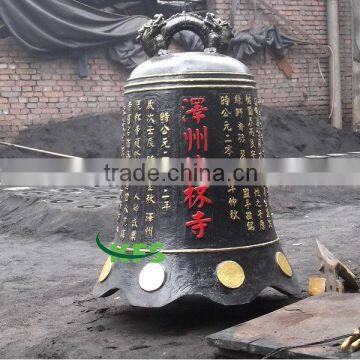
292, 134
286, 133
85, 136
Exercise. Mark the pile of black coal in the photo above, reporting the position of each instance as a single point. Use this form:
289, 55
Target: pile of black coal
85, 136
292, 134
287, 134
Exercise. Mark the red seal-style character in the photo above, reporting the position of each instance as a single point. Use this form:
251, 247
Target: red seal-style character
197, 138
195, 195
198, 224
198, 110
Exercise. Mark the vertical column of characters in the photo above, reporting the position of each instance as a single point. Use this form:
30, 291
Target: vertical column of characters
137, 128
119, 221
150, 128
249, 216
226, 114
150, 212
233, 202
150, 198
124, 200
239, 117
135, 193
259, 128
251, 127
135, 207
194, 112
122, 220
127, 135
267, 207
259, 208
165, 130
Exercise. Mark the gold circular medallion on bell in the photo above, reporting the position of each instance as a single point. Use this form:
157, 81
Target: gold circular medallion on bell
284, 264
105, 270
230, 274
152, 277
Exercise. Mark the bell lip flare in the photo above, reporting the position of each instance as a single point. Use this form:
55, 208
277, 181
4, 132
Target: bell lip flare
184, 278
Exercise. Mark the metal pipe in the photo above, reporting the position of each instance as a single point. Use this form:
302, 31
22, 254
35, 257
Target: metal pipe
38, 150
334, 63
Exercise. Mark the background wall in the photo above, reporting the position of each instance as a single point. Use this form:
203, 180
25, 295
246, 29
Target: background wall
34, 90
306, 90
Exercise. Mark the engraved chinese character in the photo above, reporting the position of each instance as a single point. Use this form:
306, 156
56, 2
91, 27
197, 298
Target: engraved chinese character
227, 126
138, 104
246, 193
150, 142
196, 195
197, 138
241, 138
133, 235
225, 100
164, 130
150, 199
229, 150
137, 130
150, 118
150, 131
234, 215
197, 111
150, 105
149, 217
165, 144
233, 201
164, 117
122, 234
248, 99
225, 113
166, 205
250, 226
149, 231
249, 216
237, 99
198, 224
238, 112
134, 223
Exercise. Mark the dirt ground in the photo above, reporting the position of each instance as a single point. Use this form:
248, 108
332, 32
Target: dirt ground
49, 263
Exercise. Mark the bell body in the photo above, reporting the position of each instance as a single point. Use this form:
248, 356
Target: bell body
219, 241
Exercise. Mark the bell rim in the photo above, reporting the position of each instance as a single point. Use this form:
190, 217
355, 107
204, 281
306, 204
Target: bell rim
124, 278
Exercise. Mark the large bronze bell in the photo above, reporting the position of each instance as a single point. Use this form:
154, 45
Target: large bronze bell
219, 242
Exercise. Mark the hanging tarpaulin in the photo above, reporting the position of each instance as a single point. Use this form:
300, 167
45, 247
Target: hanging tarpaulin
246, 44
45, 26
69, 27
65, 27
4, 32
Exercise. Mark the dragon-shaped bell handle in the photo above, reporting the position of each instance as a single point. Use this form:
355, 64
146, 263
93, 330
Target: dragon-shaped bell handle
156, 35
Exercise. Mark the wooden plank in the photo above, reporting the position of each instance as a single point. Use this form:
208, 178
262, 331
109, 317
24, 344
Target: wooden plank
338, 276
310, 328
